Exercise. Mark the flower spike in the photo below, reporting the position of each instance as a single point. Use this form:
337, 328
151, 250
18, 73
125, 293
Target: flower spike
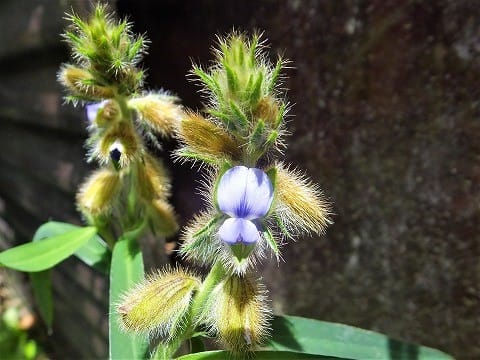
106, 76
257, 202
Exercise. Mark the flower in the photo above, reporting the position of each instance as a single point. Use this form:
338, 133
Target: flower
245, 194
92, 110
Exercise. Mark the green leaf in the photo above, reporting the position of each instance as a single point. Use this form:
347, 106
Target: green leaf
257, 355
126, 270
324, 338
94, 253
42, 255
42, 291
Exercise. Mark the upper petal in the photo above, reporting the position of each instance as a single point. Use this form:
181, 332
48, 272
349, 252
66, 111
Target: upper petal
235, 231
245, 193
231, 190
258, 194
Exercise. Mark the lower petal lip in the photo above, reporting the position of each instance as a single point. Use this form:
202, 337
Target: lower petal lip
236, 230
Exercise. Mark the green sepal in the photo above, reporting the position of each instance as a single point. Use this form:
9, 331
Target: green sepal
275, 75
242, 120
271, 139
280, 116
282, 227
272, 176
257, 138
253, 50
207, 80
256, 91
232, 78
242, 251
268, 236
224, 117
202, 235
195, 156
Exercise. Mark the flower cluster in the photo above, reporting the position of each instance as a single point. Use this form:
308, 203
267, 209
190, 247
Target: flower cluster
131, 184
255, 204
257, 201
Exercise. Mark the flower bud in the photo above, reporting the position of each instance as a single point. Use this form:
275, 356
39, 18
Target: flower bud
97, 194
152, 180
119, 144
81, 83
199, 240
158, 111
207, 139
267, 109
302, 205
159, 304
240, 313
163, 218
92, 110
108, 113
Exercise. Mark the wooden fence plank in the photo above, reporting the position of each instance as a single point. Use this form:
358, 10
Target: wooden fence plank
30, 25
53, 158
32, 96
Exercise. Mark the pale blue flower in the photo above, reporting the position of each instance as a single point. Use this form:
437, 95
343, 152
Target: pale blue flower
92, 110
245, 194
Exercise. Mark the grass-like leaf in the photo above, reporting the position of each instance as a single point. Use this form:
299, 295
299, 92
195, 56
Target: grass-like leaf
258, 355
126, 270
42, 291
292, 333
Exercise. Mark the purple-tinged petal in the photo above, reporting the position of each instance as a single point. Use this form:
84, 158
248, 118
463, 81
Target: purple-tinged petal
245, 193
231, 190
235, 231
258, 194
92, 110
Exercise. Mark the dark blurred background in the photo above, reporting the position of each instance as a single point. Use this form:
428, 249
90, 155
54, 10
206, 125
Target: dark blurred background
386, 118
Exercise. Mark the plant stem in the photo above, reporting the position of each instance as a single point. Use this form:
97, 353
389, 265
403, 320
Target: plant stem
106, 235
215, 275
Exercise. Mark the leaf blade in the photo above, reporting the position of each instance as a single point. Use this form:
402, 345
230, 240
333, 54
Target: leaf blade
42, 291
94, 253
294, 333
258, 355
42, 255
126, 270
